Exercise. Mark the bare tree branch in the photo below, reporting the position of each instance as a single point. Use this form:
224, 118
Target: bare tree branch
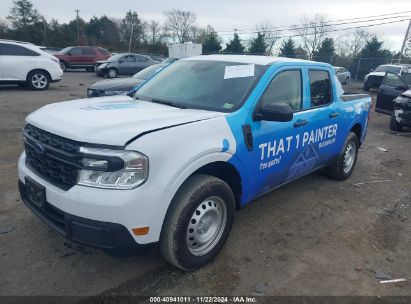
312, 33
179, 24
270, 36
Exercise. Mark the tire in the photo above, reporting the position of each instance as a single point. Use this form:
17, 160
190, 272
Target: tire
38, 80
112, 73
201, 199
394, 124
63, 66
343, 167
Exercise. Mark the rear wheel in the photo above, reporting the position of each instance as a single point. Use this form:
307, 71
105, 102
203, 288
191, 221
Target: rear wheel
112, 73
38, 80
343, 167
394, 124
198, 222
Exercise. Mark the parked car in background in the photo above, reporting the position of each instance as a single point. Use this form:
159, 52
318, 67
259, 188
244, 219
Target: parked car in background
120, 86
81, 57
123, 64
26, 64
394, 98
373, 80
50, 50
343, 75
169, 60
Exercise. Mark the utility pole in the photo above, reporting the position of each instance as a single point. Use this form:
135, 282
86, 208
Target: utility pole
131, 37
407, 36
78, 28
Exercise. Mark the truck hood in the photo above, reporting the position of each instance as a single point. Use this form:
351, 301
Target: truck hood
112, 120
119, 84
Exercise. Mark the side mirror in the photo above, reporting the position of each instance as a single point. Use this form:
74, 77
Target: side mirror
69, 54
275, 112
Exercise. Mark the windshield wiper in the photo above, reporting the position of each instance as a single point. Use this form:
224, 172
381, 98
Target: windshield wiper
168, 103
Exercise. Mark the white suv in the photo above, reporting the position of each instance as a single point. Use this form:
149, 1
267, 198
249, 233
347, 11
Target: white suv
24, 63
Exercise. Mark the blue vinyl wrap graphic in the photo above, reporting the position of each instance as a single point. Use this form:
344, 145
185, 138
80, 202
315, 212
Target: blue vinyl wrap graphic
282, 152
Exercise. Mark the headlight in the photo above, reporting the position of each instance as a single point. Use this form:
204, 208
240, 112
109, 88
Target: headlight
112, 169
102, 66
110, 93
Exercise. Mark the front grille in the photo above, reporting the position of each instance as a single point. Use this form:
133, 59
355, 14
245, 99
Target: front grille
52, 157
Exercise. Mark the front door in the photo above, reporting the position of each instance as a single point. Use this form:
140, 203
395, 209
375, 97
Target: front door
391, 87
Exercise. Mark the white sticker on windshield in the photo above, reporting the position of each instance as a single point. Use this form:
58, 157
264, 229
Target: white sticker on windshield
237, 71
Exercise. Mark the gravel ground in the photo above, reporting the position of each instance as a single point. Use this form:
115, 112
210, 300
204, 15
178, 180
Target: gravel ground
314, 236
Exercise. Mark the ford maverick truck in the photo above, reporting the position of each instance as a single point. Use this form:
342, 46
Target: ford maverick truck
202, 138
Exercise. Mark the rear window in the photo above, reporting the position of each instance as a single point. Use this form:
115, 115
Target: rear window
15, 50
320, 87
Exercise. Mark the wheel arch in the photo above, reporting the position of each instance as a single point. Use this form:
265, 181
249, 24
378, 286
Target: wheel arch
42, 70
357, 129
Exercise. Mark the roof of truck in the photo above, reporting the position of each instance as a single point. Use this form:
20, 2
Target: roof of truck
250, 59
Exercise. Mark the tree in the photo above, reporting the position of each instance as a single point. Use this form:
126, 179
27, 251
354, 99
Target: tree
351, 44
326, 51
154, 28
270, 36
235, 46
179, 24
258, 45
22, 14
288, 49
212, 42
131, 29
312, 33
372, 55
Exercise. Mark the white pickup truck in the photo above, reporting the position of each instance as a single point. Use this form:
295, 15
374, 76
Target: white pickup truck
202, 138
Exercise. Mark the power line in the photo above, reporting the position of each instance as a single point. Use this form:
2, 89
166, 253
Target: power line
329, 23
329, 31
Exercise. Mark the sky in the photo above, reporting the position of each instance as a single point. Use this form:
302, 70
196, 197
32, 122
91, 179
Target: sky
230, 14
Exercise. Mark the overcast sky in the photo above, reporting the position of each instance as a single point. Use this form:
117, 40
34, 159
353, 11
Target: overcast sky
230, 14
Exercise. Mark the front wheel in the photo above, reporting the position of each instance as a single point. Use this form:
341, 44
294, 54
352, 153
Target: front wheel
112, 73
343, 167
198, 222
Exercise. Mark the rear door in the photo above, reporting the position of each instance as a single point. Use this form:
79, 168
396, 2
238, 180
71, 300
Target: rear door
16, 61
391, 87
89, 56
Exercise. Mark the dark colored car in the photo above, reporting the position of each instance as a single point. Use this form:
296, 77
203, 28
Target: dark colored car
123, 64
75, 57
119, 86
394, 98
373, 79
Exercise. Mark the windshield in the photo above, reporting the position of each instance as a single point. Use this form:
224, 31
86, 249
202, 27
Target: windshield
116, 57
387, 68
149, 72
210, 85
65, 50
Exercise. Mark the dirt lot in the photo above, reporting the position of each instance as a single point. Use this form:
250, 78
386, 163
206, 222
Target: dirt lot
313, 237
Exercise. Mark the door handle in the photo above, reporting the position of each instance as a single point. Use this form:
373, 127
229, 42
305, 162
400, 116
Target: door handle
333, 115
300, 123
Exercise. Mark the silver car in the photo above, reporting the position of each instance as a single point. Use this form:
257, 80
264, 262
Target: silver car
343, 75
123, 64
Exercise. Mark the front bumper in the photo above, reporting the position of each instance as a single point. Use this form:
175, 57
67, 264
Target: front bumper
110, 237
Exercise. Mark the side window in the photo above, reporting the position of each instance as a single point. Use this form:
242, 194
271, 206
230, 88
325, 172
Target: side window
285, 88
129, 58
88, 51
15, 50
141, 59
320, 87
75, 51
103, 51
